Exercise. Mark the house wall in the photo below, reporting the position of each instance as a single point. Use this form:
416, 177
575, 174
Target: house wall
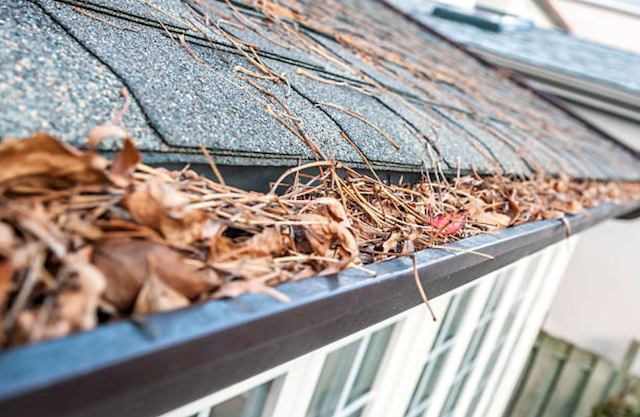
597, 305
610, 26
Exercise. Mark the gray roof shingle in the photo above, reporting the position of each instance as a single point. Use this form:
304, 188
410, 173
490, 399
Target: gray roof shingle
62, 71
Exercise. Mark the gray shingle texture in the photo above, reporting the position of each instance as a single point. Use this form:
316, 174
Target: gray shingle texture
61, 71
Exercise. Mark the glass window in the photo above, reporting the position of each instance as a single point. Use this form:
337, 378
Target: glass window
439, 353
530, 276
332, 380
345, 383
257, 402
475, 345
525, 281
371, 362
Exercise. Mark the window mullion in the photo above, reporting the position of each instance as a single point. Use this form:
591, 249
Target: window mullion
404, 361
511, 338
353, 372
437, 350
559, 255
356, 405
205, 412
420, 408
511, 285
463, 337
527, 333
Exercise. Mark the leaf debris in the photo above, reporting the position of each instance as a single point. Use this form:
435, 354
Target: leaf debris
85, 240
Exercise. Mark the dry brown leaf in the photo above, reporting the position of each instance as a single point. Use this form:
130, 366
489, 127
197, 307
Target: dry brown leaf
155, 295
572, 207
552, 214
248, 268
268, 243
123, 263
322, 234
126, 159
75, 308
514, 209
104, 131
7, 239
164, 208
47, 162
391, 244
332, 209
491, 219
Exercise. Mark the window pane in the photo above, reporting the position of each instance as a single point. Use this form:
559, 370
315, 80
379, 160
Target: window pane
458, 314
486, 319
434, 375
439, 353
453, 396
348, 374
506, 328
475, 345
253, 403
371, 363
332, 379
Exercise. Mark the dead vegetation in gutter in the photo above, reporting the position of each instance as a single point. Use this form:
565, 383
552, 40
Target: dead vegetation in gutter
84, 240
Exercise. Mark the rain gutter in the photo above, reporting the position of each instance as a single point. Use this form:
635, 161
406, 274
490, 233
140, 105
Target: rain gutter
150, 366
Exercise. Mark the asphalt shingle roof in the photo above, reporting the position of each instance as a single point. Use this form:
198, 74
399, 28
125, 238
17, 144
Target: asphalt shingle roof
61, 70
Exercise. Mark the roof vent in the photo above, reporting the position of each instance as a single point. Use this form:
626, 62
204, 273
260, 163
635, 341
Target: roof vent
486, 19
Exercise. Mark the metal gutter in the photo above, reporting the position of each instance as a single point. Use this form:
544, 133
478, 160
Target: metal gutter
147, 367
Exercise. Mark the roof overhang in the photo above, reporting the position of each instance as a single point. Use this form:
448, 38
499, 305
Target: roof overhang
589, 92
150, 366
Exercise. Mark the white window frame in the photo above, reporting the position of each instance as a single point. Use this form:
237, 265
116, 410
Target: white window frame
516, 296
493, 319
522, 336
437, 349
512, 297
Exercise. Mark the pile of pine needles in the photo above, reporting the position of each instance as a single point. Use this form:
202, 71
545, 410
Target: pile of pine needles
85, 240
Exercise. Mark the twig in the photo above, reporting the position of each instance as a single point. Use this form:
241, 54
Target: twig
165, 29
169, 15
213, 165
102, 20
362, 119
416, 276
127, 101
